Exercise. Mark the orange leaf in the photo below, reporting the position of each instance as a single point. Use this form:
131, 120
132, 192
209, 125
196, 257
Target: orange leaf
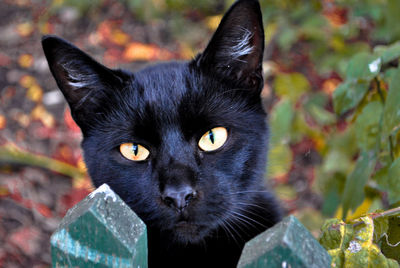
35, 93
138, 51
25, 29
27, 81
330, 85
4, 191
110, 31
119, 37
46, 28
3, 122
25, 60
40, 113
213, 22
23, 119
44, 210
81, 165
69, 121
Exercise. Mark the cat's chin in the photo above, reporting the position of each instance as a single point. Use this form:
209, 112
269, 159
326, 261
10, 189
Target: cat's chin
189, 233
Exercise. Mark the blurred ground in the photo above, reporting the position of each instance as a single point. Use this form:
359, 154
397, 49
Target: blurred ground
41, 168
33, 116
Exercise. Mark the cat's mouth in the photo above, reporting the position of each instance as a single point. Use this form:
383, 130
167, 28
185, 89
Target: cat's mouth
189, 232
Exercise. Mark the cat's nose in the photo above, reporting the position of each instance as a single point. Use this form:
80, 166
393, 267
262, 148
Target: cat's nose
178, 198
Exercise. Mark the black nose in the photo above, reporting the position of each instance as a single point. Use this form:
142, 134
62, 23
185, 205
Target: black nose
178, 198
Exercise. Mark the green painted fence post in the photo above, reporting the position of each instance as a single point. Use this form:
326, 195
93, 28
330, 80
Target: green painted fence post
100, 231
286, 245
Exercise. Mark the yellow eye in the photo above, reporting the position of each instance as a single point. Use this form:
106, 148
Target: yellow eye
213, 139
134, 151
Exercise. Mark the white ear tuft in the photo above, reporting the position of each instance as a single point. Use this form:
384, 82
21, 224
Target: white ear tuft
78, 79
242, 46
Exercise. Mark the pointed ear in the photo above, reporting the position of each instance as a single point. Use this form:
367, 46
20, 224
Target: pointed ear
85, 83
236, 48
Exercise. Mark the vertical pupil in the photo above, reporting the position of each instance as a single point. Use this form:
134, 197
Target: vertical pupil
135, 148
211, 136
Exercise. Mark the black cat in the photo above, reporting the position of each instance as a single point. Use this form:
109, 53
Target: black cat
183, 143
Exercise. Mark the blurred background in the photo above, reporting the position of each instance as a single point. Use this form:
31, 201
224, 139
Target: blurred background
317, 136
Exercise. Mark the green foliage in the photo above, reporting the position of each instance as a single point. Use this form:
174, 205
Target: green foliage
353, 194
377, 119
363, 155
348, 95
291, 86
390, 245
355, 244
152, 9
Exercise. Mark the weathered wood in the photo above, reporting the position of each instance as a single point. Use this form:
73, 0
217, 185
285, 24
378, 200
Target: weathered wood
100, 231
288, 245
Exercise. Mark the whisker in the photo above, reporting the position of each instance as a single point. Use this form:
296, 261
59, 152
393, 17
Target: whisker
250, 205
233, 221
234, 230
226, 229
244, 216
250, 191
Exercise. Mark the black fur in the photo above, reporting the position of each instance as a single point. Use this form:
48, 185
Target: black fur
167, 108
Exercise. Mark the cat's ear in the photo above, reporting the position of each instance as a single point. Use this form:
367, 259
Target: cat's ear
236, 48
85, 83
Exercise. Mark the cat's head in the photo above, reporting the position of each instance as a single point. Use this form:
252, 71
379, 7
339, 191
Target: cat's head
182, 143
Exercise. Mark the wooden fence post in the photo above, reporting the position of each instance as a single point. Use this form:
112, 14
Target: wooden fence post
286, 245
100, 231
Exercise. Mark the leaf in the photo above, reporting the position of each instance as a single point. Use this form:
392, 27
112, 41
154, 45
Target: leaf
361, 251
361, 209
25, 60
213, 22
27, 81
367, 257
363, 66
367, 125
394, 182
336, 161
291, 85
279, 160
348, 95
337, 256
3, 122
69, 121
25, 29
352, 245
40, 113
35, 93
392, 250
391, 111
353, 194
322, 116
364, 233
135, 51
281, 119
389, 183
390, 53
381, 226
287, 38
333, 232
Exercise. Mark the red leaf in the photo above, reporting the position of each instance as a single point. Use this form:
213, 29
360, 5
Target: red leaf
69, 121
72, 198
44, 210
27, 239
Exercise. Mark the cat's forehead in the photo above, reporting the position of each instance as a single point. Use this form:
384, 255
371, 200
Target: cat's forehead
161, 83
157, 94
